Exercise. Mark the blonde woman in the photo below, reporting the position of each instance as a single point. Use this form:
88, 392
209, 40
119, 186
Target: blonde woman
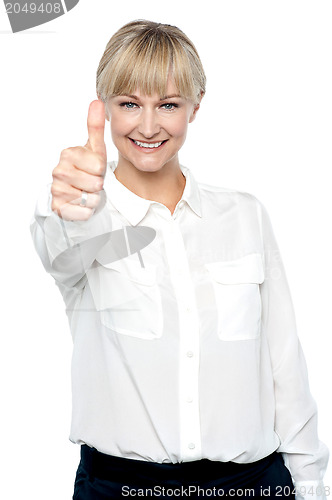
188, 377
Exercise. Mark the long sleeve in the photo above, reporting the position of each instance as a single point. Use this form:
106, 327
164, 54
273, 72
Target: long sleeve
296, 413
67, 248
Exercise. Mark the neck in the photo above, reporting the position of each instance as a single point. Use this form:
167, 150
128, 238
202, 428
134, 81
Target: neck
165, 185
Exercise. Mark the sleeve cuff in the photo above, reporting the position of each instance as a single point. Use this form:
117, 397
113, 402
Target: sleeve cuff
62, 235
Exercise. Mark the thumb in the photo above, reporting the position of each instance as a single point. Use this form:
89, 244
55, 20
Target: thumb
96, 127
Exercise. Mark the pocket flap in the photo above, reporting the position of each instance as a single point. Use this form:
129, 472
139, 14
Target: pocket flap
133, 271
247, 269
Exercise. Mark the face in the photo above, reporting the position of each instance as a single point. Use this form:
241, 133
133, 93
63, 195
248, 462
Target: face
148, 131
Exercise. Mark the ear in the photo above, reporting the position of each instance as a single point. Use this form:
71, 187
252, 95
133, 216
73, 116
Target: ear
194, 112
196, 108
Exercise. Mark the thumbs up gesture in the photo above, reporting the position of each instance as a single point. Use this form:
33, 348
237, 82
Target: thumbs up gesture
79, 176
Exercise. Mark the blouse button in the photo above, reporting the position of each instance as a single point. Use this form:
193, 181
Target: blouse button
191, 446
190, 354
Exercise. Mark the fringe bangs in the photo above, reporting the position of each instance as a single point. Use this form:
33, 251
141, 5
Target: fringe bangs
145, 62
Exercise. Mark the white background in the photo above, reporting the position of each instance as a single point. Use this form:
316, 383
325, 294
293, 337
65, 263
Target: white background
264, 127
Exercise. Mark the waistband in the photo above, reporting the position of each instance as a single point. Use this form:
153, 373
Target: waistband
104, 466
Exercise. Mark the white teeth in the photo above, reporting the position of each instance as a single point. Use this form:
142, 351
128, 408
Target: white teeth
148, 145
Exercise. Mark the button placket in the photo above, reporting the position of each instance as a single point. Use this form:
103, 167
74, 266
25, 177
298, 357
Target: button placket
189, 342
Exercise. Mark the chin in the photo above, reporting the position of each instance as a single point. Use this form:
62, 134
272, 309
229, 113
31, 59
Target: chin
147, 166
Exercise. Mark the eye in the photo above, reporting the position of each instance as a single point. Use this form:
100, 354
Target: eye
169, 106
128, 105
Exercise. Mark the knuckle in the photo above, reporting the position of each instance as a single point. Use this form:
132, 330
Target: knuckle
77, 151
100, 167
54, 190
57, 189
99, 184
55, 171
66, 154
55, 206
61, 172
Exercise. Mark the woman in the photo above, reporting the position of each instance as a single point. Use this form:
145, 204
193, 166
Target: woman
188, 377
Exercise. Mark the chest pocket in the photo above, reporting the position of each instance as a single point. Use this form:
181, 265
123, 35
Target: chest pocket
128, 298
237, 293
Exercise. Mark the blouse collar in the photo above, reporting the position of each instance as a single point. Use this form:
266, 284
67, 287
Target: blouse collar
134, 207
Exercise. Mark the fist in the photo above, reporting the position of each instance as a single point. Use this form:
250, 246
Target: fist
79, 176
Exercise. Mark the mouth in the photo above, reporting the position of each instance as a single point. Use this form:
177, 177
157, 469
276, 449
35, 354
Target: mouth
148, 146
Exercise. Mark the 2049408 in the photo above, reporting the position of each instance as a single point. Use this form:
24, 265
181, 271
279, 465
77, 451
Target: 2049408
33, 8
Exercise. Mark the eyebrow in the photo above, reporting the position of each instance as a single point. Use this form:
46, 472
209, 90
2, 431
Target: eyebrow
162, 99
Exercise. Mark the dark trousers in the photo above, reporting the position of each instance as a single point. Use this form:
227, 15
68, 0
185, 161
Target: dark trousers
102, 477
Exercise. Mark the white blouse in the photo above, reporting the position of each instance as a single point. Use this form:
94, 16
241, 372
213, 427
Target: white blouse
184, 337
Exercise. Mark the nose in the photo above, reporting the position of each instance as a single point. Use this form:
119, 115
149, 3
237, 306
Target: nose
149, 125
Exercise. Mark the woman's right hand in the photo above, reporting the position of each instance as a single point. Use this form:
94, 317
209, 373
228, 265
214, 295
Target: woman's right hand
81, 169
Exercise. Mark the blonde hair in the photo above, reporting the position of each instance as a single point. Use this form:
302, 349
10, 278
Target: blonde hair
142, 54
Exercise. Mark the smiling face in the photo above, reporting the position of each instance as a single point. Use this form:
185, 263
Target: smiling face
149, 130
